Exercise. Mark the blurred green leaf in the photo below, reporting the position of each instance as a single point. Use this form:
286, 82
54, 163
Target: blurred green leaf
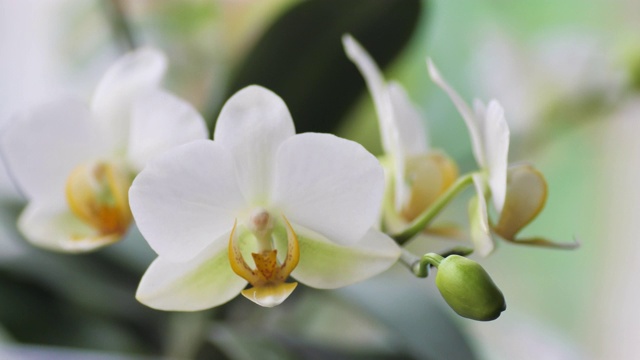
70, 300
414, 311
301, 57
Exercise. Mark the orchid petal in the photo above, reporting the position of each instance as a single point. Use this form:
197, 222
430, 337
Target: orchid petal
479, 220
326, 265
159, 122
270, 295
480, 109
328, 184
526, 196
428, 176
467, 114
542, 242
43, 148
200, 283
54, 227
186, 198
394, 131
410, 140
130, 76
378, 89
252, 125
497, 152
402, 190
409, 121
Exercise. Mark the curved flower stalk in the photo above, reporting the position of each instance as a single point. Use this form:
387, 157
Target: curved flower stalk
75, 161
417, 175
518, 193
255, 205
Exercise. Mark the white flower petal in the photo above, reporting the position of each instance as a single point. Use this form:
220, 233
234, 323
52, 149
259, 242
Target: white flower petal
330, 185
479, 220
200, 283
409, 121
131, 75
397, 117
54, 227
497, 152
526, 196
467, 114
410, 140
325, 265
159, 122
43, 148
186, 198
251, 125
480, 109
401, 187
377, 87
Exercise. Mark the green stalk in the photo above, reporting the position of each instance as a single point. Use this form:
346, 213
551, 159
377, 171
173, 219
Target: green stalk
422, 221
120, 24
421, 268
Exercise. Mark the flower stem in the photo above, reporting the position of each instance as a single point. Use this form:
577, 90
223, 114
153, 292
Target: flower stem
422, 221
408, 259
421, 268
420, 265
120, 24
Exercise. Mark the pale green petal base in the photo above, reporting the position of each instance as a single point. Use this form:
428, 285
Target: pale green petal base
56, 228
200, 283
479, 220
326, 265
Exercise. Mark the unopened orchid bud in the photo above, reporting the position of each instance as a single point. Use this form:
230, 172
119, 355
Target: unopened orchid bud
468, 289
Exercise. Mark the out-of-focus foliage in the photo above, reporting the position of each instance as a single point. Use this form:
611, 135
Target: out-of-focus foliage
301, 58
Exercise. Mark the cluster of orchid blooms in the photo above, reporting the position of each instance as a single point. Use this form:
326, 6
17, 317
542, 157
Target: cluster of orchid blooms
259, 203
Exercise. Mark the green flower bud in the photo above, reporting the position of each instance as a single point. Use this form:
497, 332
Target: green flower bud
468, 289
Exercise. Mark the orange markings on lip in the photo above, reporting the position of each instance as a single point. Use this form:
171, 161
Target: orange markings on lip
268, 278
98, 195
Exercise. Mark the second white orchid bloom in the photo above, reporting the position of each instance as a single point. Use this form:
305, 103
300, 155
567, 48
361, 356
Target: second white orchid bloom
518, 193
255, 205
418, 174
75, 162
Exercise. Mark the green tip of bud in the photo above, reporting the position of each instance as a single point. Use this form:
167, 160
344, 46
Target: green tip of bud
468, 289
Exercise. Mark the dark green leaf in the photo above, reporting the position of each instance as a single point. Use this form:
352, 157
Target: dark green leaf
301, 57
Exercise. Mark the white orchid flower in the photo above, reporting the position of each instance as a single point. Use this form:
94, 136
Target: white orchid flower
418, 174
302, 205
518, 193
490, 144
75, 162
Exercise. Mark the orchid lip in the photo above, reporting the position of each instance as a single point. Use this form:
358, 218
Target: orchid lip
97, 194
268, 278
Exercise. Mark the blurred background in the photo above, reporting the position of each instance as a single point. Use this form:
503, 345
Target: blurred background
567, 73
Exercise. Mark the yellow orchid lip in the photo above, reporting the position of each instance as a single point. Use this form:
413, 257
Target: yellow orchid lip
525, 197
97, 194
428, 176
268, 278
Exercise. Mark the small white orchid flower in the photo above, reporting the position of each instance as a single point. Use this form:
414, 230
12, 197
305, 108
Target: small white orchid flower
75, 162
302, 205
490, 144
518, 193
418, 174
